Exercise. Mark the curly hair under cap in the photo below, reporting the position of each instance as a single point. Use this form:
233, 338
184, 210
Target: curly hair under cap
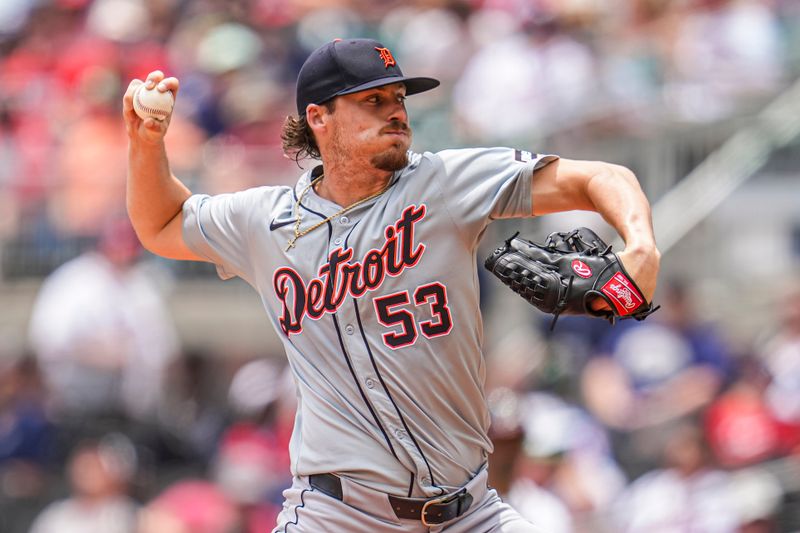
298, 139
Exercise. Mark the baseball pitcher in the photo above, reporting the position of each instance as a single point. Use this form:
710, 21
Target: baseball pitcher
367, 270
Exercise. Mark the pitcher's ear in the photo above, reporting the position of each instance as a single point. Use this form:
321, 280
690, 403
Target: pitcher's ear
316, 115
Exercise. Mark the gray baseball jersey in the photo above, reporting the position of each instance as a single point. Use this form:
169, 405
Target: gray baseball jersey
378, 311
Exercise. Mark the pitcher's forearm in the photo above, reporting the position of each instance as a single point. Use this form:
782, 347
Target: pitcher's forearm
154, 195
615, 194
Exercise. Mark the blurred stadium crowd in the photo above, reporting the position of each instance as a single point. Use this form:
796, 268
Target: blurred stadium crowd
513, 71
109, 423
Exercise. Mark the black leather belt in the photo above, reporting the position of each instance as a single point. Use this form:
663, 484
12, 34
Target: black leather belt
429, 511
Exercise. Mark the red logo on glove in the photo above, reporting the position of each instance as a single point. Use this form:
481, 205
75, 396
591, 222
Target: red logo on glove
623, 294
581, 268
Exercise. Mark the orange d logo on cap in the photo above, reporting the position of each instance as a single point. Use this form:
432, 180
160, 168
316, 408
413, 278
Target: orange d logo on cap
347, 66
386, 55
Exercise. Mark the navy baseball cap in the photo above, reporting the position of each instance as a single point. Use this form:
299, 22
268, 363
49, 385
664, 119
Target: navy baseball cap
348, 66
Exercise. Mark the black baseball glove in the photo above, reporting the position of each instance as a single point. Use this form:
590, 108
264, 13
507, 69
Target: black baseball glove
567, 272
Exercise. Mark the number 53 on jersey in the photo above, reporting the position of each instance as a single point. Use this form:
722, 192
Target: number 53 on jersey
393, 311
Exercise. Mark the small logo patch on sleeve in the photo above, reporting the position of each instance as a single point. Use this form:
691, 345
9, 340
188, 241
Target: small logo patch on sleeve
622, 293
524, 156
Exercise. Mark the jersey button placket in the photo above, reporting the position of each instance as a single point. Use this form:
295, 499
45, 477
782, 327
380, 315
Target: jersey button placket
362, 365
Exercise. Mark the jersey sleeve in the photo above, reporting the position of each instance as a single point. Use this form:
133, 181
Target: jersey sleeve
485, 184
218, 228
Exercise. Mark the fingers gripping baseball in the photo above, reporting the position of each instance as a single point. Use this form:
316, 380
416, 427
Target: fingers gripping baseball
147, 106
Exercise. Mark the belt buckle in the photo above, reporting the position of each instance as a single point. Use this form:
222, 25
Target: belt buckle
447, 498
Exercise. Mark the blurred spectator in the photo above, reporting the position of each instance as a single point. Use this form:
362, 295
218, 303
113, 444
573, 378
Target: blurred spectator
101, 333
756, 499
98, 473
530, 492
685, 494
92, 175
565, 455
713, 44
191, 417
27, 442
432, 41
689, 494
781, 356
517, 361
651, 374
507, 437
252, 462
540, 506
26, 434
740, 428
189, 506
525, 85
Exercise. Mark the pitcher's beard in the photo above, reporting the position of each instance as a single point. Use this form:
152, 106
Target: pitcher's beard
391, 160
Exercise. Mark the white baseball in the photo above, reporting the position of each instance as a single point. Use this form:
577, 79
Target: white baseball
152, 103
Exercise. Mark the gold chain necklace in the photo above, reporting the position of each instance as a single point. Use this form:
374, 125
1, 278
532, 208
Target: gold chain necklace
298, 233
